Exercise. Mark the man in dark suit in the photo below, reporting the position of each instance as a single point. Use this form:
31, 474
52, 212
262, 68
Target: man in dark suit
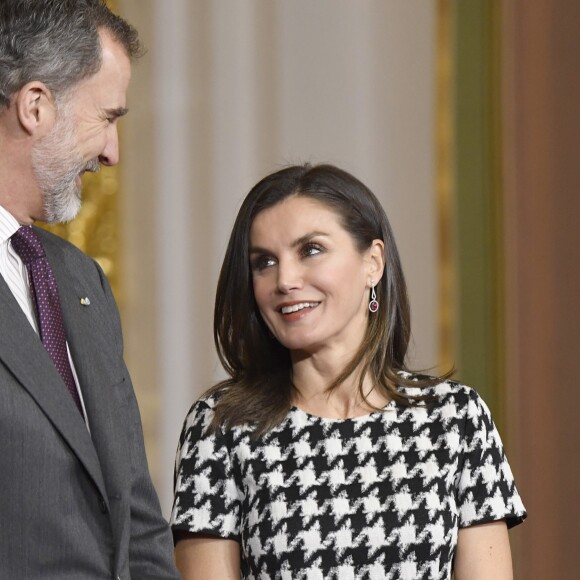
76, 499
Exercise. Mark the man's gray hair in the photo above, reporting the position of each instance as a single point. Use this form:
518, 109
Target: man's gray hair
56, 42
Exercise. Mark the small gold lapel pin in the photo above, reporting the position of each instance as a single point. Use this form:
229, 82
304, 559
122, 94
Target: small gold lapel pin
85, 301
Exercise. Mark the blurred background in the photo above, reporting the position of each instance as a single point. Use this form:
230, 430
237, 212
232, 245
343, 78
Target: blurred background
461, 115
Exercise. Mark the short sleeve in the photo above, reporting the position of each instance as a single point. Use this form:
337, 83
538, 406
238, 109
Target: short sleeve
207, 498
486, 490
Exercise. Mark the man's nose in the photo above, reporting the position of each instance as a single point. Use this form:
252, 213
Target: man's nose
110, 154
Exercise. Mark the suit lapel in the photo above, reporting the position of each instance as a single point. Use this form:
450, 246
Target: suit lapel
23, 353
93, 338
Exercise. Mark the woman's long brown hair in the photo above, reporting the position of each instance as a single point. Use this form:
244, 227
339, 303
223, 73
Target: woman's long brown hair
259, 390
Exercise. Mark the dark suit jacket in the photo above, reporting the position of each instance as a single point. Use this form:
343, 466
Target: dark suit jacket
74, 505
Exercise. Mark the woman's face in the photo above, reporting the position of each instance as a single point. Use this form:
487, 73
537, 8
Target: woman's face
311, 283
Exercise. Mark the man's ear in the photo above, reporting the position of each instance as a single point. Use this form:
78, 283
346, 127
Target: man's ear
35, 108
376, 260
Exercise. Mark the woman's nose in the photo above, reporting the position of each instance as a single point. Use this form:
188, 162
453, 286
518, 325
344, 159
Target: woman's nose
289, 276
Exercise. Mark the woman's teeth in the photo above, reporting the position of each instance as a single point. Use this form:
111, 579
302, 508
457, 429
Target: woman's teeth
297, 307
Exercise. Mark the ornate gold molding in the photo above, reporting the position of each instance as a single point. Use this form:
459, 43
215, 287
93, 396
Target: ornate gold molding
444, 146
95, 229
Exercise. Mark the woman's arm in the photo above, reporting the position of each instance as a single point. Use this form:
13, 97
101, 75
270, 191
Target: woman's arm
200, 557
483, 553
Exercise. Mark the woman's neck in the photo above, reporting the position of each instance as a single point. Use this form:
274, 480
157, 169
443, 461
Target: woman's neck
313, 375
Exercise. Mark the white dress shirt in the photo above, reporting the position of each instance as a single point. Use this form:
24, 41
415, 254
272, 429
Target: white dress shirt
15, 274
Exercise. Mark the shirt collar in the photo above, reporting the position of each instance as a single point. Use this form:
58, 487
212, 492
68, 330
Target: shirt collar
8, 225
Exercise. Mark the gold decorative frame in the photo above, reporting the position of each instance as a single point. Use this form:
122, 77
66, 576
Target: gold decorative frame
444, 184
95, 229
470, 196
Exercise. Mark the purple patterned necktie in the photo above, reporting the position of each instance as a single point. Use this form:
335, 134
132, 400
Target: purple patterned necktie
45, 291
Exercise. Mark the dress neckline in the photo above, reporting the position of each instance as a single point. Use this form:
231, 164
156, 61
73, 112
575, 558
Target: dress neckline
390, 406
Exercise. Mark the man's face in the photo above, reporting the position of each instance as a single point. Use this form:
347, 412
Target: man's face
57, 166
84, 134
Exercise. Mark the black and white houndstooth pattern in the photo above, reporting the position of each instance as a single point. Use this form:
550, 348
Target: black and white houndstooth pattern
375, 497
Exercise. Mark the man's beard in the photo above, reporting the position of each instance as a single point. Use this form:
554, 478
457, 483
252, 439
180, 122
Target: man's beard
57, 166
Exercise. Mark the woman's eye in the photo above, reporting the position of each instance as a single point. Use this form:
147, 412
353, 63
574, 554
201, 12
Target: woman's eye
262, 262
311, 249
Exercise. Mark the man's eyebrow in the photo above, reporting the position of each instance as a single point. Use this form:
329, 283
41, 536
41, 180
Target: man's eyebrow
116, 113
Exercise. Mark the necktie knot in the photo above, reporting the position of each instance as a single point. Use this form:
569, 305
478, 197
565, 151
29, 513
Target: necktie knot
27, 245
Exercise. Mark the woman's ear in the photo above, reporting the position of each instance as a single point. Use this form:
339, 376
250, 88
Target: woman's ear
376, 260
35, 108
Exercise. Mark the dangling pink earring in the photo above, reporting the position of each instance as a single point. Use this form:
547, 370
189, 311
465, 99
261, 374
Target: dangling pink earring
373, 304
